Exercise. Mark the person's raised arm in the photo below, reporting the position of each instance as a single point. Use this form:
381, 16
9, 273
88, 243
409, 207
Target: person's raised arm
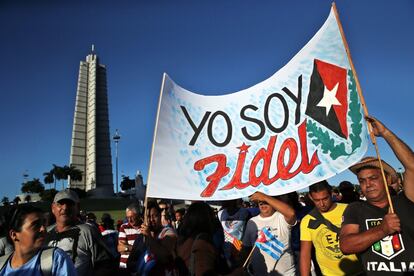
285, 209
401, 150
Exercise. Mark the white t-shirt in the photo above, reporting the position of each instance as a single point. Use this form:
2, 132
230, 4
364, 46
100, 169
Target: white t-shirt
261, 262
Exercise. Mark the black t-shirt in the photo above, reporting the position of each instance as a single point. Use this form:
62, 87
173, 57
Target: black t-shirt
393, 255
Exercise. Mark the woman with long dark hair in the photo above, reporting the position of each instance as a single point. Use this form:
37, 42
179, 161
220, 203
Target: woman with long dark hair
196, 241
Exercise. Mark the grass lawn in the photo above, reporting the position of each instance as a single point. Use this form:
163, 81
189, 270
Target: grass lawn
114, 206
115, 214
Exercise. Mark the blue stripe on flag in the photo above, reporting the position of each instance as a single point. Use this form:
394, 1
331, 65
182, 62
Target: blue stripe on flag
269, 250
272, 237
272, 245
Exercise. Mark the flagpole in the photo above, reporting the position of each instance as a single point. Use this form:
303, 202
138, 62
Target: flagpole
152, 150
364, 106
248, 257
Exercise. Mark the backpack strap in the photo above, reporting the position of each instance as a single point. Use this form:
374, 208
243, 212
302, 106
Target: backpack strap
46, 260
4, 259
320, 219
73, 233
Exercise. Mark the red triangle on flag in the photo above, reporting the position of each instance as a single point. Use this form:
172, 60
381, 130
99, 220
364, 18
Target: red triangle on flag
261, 237
331, 76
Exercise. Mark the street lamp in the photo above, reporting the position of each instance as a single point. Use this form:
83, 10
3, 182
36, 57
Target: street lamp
400, 172
116, 139
25, 176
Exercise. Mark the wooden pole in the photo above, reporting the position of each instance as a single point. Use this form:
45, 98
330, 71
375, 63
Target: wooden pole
364, 106
152, 150
248, 257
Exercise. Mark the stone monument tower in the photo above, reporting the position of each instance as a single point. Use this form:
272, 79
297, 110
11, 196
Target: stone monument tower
91, 149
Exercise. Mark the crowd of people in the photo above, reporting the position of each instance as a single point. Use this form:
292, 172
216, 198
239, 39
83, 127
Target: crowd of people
326, 232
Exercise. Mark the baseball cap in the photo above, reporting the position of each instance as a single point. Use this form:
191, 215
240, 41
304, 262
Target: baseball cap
66, 194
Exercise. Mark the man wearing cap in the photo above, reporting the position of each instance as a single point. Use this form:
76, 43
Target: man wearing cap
384, 241
81, 241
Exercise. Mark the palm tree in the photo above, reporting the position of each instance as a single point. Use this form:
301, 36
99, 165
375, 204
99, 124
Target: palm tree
33, 186
16, 200
59, 174
62, 173
49, 178
74, 173
27, 198
5, 200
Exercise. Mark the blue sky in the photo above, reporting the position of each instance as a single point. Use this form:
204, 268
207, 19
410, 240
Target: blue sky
209, 47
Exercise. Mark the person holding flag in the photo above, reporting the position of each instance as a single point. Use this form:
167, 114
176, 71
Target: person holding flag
268, 235
383, 240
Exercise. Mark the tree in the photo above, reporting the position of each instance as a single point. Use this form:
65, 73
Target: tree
127, 183
48, 195
49, 178
59, 174
72, 172
27, 198
33, 186
16, 200
5, 201
62, 173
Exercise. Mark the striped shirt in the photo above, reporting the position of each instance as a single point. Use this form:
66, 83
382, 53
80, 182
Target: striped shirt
127, 233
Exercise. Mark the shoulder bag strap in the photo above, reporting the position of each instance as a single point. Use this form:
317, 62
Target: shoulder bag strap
313, 224
4, 259
46, 260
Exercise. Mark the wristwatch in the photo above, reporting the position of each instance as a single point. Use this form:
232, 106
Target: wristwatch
126, 249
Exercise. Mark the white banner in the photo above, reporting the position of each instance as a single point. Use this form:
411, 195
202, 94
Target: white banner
302, 125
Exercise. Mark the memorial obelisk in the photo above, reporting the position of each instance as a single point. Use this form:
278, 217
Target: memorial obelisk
91, 149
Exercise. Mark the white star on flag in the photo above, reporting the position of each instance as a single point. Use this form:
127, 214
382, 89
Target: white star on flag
329, 98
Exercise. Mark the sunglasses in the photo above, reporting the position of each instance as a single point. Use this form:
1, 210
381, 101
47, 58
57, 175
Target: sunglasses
262, 203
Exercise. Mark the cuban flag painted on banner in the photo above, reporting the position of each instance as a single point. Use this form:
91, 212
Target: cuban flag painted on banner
269, 243
302, 125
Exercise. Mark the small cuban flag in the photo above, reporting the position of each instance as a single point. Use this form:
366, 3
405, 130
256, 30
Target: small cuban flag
146, 262
269, 243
